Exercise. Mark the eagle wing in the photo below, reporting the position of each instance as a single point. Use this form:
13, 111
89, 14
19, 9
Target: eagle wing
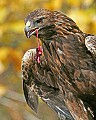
90, 42
38, 80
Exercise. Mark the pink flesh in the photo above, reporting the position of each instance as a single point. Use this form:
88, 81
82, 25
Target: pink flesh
38, 49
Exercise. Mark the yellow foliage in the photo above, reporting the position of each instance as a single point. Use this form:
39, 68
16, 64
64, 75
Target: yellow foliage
3, 14
74, 3
4, 53
17, 26
10, 55
15, 57
83, 20
88, 2
56, 4
2, 68
3, 90
53, 4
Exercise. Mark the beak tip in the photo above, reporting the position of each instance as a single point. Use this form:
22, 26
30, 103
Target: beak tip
27, 32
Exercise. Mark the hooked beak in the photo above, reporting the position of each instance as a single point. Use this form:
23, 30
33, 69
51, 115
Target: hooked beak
29, 32
29, 29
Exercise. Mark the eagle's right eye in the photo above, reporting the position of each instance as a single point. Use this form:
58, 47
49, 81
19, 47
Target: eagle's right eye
41, 20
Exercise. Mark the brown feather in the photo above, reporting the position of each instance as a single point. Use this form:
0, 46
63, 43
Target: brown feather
68, 64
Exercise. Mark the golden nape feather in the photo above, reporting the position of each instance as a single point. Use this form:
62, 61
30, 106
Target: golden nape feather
65, 78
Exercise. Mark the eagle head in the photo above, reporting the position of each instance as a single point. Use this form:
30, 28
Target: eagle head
41, 20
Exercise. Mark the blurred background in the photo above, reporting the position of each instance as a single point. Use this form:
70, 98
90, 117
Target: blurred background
13, 44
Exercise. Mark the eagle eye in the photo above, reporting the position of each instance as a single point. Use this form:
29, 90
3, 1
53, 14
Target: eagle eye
41, 20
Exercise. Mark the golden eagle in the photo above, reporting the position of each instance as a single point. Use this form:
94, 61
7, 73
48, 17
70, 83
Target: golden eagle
65, 78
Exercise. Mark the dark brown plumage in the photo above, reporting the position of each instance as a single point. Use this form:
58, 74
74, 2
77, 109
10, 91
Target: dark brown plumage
66, 76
